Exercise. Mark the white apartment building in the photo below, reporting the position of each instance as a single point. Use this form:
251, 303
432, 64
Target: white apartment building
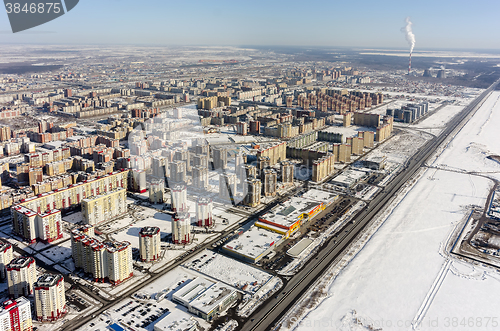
21, 274
149, 243
50, 299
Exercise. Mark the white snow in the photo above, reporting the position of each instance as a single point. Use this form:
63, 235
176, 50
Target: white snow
229, 271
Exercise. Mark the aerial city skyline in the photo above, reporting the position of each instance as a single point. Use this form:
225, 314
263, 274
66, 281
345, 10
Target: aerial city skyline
257, 166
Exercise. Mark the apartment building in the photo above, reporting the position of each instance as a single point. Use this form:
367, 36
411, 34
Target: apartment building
149, 243
16, 315
104, 207
105, 261
50, 299
21, 274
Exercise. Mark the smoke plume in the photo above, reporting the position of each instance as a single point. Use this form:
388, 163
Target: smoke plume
410, 37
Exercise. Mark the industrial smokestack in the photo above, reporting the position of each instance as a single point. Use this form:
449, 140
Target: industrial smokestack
409, 65
410, 38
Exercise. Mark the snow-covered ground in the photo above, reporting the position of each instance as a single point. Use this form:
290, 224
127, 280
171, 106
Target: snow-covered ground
399, 148
401, 278
479, 139
170, 282
230, 271
436, 122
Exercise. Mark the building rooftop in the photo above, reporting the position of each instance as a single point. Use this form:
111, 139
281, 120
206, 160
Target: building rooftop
212, 297
299, 247
149, 230
192, 289
104, 194
253, 243
48, 280
24, 210
348, 177
176, 320
4, 246
203, 294
49, 212
53, 144
9, 304
20, 262
321, 196
286, 214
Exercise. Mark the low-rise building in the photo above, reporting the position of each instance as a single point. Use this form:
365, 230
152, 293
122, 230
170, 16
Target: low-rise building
348, 178
253, 244
287, 217
205, 298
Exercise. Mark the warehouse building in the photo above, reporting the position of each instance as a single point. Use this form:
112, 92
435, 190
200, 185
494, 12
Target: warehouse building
287, 217
348, 178
253, 244
205, 298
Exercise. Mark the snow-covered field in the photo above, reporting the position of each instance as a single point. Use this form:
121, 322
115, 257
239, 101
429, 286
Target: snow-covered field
403, 279
436, 122
401, 147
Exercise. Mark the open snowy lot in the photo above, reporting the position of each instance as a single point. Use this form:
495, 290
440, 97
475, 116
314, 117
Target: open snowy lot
229, 271
436, 122
403, 278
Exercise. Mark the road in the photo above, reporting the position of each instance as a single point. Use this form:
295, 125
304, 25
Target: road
75, 324
275, 307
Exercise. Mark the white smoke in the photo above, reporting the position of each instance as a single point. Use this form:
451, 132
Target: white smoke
410, 37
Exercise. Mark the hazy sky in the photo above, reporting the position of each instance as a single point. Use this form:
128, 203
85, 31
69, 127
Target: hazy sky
368, 23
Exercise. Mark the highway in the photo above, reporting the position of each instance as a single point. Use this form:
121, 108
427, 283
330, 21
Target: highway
275, 307
78, 322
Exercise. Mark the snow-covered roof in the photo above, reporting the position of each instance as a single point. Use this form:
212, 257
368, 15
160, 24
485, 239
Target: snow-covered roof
253, 243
